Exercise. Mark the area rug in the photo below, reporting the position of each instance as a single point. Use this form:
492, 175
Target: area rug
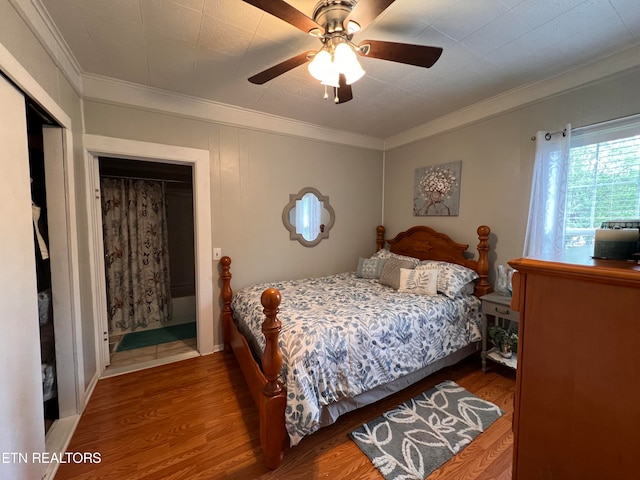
417, 437
157, 336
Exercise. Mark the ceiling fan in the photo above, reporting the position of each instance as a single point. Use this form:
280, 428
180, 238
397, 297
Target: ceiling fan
334, 23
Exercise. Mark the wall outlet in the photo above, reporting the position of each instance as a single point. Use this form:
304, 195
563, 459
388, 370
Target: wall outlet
217, 253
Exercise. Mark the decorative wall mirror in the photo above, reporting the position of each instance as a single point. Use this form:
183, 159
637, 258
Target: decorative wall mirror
308, 217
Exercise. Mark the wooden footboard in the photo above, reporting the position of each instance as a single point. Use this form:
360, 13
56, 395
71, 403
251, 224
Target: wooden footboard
265, 383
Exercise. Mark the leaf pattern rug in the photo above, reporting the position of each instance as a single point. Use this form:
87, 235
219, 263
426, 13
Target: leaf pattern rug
417, 437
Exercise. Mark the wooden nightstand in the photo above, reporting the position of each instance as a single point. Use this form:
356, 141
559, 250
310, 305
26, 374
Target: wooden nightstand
496, 308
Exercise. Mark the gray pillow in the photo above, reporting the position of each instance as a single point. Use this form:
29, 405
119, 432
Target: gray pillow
391, 272
384, 253
370, 267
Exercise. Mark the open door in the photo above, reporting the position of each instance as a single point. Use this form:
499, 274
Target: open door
102, 319
62, 287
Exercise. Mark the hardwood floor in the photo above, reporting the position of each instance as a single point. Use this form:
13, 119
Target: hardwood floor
195, 419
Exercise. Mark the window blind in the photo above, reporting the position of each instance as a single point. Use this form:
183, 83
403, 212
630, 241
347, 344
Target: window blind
604, 178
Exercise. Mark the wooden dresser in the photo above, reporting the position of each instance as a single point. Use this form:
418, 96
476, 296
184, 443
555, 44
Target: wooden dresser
577, 404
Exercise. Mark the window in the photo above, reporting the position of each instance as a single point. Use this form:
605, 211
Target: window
603, 181
589, 176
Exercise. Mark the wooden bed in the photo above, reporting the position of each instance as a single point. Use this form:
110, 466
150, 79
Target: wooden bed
264, 381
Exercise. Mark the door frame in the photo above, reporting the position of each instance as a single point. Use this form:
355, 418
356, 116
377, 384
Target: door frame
97, 146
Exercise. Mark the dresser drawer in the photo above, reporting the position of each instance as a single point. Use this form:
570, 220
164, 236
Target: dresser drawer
499, 310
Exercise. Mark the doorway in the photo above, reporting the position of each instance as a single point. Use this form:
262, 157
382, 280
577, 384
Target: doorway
138, 154
148, 241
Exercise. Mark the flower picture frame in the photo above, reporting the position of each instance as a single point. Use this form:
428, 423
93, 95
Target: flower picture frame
437, 190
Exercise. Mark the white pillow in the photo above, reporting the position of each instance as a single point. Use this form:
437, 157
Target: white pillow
422, 280
453, 279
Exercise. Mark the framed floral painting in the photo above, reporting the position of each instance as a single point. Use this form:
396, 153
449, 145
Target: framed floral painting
437, 190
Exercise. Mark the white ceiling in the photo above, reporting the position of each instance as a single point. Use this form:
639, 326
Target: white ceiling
208, 49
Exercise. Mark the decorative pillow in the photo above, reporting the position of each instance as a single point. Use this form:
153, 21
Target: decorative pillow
384, 253
453, 279
422, 280
370, 267
391, 272
468, 289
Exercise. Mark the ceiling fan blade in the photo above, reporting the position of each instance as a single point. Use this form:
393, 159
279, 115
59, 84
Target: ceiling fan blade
366, 11
286, 12
343, 93
280, 68
418, 55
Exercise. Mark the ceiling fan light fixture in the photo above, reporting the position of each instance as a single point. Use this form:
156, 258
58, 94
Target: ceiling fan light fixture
336, 63
347, 63
331, 76
352, 27
320, 64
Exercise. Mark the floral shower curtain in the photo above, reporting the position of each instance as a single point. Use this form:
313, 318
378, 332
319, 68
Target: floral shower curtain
136, 253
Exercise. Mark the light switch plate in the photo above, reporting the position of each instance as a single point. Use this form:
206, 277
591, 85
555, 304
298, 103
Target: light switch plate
217, 253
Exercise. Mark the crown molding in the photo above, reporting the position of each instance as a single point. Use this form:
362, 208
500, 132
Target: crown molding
520, 97
37, 18
115, 91
109, 90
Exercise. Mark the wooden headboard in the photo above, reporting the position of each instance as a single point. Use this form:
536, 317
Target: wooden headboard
427, 244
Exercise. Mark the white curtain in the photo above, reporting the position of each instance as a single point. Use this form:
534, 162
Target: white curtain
545, 225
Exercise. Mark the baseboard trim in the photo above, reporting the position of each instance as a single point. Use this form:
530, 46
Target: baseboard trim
57, 441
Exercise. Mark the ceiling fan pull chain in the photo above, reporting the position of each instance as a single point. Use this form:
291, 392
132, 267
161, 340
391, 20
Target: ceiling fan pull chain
336, 99
326, 95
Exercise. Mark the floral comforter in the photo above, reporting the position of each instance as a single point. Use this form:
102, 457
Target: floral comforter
343, 335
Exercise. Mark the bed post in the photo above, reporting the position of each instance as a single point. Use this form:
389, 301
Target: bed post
380, 237
227, 295
273, 436
483, 286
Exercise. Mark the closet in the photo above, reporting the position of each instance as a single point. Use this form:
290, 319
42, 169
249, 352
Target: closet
36, 139
36, 121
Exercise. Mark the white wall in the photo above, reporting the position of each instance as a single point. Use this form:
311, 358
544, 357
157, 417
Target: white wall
497, 162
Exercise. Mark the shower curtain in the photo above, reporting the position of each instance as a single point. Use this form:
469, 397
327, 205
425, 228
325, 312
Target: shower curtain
136, 253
